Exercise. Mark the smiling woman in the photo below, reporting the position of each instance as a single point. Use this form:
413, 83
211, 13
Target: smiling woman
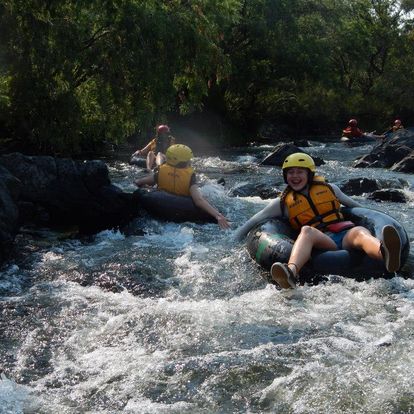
313, 209
272, 241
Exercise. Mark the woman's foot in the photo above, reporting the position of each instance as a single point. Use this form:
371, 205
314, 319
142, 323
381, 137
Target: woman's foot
283, 275
391, 248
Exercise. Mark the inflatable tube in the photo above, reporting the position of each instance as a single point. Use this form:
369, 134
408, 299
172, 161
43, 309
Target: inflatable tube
366, 139
171, 207
138, 161
272, 242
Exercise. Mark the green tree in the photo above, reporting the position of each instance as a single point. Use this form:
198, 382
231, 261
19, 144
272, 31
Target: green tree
87, 71
310, 62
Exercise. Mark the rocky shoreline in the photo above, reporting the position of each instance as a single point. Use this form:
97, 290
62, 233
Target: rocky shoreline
44, 191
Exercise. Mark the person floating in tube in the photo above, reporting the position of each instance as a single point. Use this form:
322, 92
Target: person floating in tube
396, 127
177, 176
313, 208
155, 150
352, 132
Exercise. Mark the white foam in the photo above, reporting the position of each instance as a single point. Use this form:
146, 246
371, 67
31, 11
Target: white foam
13, 397
108, 235
246, 159
147, 406
11, 279
174, 236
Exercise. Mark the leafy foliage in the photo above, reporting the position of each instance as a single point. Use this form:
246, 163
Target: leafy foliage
87, 71
76, 73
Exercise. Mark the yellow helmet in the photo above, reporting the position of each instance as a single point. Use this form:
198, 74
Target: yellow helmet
299, 159
178, 153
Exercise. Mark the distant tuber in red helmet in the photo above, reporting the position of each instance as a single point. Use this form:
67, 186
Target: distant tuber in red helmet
163, 129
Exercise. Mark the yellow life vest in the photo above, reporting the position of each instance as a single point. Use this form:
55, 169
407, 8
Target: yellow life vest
318, 209
175, 180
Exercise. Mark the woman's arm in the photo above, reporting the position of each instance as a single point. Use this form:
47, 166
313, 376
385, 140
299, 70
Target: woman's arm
202, 203
144, 151
343, 198
273, 209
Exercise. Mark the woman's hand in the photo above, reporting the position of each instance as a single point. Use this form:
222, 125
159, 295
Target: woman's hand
222, 221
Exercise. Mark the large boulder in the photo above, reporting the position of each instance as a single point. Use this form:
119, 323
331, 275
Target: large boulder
359, 186
281, 151
390, 152
262, 190
390, 194
69, 192
406, 165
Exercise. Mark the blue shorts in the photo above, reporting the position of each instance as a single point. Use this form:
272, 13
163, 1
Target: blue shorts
337, 237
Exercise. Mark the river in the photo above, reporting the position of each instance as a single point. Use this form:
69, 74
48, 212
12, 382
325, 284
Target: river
178, 318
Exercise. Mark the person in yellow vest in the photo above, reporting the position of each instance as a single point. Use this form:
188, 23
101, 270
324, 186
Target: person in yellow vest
313, 208
177, 176
155, 149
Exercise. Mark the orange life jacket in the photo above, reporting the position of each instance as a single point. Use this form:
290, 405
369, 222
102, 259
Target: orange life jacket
175, 180
352, 132
317, 209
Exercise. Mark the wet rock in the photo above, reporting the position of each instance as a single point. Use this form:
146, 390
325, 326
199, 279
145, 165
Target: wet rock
386, 158
390, 152
67, 192
405, 165
281, 151
363, 162
403, 137
113, 281
264, 191
358, 186
301, 143
133, 228
221, 181
396, 196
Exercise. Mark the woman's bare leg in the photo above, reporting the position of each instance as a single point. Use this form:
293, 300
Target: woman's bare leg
308, 238
150, 160
390, 250
360, 238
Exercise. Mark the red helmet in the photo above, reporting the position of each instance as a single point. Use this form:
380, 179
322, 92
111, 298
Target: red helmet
397, 121
353, 122
163, 129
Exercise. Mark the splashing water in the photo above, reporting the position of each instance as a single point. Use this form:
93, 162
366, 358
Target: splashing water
180, 320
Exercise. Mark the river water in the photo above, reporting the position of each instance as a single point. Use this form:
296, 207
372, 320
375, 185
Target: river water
178, 319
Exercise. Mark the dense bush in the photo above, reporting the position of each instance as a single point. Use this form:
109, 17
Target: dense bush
76, 73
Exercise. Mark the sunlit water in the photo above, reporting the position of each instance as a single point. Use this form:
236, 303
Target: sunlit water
180, 320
